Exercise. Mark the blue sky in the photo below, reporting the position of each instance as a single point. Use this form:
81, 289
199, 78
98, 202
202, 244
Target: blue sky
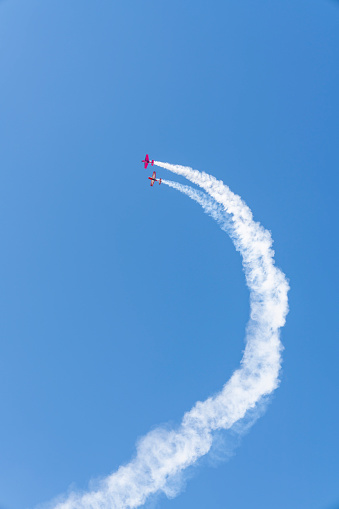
122, 305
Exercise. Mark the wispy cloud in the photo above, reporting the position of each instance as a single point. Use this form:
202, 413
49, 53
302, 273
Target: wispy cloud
164, 454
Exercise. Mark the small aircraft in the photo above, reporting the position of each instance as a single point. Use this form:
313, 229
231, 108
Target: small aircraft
154, 179
147, 160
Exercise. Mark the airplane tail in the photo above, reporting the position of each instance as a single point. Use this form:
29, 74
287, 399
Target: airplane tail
152, 162
159, 182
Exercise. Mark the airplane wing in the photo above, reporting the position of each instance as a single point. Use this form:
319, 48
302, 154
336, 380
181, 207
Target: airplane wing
152, 182
146, 164
154, 175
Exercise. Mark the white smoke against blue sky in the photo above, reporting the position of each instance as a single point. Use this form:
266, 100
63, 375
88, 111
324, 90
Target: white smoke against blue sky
163, 455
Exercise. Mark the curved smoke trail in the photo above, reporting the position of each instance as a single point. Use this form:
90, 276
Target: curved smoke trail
162, 455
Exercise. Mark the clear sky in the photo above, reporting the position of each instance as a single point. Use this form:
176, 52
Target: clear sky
122, 304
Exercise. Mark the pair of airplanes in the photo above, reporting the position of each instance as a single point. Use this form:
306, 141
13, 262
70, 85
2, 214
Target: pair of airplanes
153, 179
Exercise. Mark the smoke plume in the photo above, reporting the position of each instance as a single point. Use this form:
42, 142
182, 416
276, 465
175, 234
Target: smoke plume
163, 454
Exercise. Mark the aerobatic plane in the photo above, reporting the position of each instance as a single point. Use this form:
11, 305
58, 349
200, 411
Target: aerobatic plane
147, 160
154, 179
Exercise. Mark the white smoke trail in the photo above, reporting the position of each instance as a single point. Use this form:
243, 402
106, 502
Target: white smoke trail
210, 206
162, 454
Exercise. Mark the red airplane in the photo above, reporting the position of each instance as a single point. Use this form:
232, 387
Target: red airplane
153, 179
147, 160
